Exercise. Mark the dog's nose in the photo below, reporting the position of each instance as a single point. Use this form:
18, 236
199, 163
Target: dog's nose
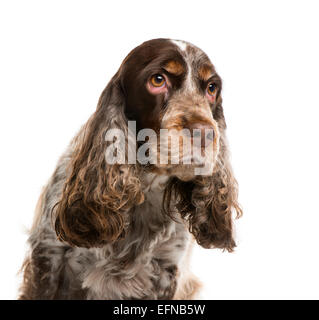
202, 133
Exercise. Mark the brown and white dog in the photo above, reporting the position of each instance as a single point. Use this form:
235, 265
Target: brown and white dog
123, 230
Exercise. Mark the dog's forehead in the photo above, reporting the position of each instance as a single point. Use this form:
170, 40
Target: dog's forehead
199, 66
189, 50
194, 56
164, 50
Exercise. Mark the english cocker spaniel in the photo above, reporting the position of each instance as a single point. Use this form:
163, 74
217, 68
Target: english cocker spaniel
146, 176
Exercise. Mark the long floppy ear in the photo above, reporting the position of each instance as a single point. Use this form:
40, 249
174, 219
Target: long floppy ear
97, 196
207, 202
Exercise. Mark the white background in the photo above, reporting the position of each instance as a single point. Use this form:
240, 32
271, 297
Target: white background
57, 56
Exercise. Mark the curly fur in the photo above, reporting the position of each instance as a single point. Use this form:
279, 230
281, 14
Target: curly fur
96, 196
207, 203
123, 231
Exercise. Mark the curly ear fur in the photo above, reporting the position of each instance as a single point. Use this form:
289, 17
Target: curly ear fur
207, 202
97, 196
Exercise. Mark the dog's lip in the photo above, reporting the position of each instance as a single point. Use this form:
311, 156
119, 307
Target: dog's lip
191, 165
192, 160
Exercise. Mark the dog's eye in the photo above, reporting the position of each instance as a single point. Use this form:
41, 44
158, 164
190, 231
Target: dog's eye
157, 80
211, 89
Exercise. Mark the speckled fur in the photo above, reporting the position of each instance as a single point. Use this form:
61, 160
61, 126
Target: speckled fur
58, 271
147, 256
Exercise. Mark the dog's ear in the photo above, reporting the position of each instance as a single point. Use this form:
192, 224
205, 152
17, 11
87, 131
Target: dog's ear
214, 199
207, 202
97, 196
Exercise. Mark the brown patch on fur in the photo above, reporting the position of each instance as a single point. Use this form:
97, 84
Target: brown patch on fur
27, 283
189, 288
187, 122
36, 277
37, 283
174, 67
205, 72
169, 291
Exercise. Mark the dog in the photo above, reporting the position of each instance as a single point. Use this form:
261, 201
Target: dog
125, 229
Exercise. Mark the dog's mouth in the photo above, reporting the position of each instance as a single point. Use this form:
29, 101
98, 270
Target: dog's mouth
189, 165
193, 161
180, 152
186, 155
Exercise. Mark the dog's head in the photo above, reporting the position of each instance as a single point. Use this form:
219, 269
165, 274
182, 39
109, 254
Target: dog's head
172, 89
166, 94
